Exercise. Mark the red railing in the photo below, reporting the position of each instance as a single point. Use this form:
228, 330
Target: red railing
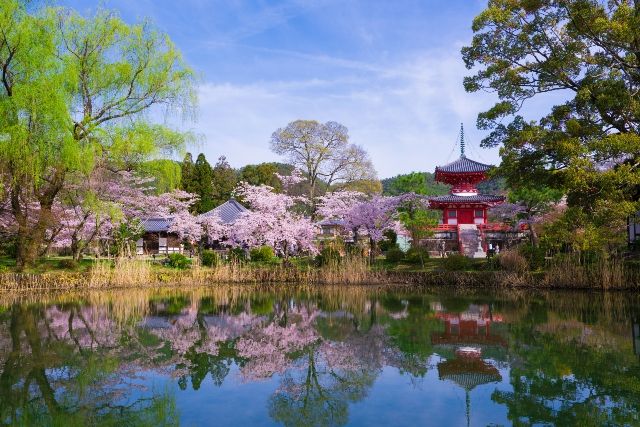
444, 227
482, 227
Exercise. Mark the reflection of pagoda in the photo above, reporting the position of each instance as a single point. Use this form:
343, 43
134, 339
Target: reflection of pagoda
468, 332
470, 327
468, 371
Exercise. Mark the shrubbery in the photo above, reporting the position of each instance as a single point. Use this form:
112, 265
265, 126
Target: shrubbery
394, 255
456, 262
533, 255
237, 255
263, 253
327, 256
209, 258
417, 255
178, 261
511, 260
68, 264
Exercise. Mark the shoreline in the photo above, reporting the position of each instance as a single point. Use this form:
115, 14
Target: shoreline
72, 281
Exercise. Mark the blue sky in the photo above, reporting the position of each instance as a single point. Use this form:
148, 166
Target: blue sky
390, 71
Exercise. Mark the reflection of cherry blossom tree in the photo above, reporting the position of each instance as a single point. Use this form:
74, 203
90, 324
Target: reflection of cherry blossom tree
268, 348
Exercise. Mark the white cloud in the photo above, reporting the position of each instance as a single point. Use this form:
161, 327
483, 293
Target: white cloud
406, 115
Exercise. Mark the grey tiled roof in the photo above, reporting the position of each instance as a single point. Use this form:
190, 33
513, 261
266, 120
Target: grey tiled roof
156, 225
480, 198
463, 165
228, 212
331, 222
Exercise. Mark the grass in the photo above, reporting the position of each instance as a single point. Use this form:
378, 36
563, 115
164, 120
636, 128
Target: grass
58, 273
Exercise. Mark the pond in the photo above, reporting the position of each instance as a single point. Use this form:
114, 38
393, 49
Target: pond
242, 355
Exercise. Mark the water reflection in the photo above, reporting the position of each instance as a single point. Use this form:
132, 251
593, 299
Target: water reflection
320, 356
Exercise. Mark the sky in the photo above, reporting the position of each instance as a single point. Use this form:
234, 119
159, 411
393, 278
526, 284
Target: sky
390, 71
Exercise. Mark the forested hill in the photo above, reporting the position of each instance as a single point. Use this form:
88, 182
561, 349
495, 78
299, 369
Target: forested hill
424, 183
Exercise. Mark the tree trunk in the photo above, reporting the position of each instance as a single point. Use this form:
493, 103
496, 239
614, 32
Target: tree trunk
31, 238
533, 235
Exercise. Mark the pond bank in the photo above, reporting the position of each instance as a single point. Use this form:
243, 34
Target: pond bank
62, 280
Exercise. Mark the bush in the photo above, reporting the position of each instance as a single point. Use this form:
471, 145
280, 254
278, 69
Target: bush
209, 258
237, 255
456, 262
394, 255
9, 247
389, 241
263, 253
328, 256
533, 255
417, 255
178, 261
512, 261
68, 264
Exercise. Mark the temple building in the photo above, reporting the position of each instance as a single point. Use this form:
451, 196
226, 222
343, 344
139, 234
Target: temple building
464, 226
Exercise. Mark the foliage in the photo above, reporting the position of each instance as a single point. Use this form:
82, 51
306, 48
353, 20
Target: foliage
416, 218
394, 255
511, 260
209, 258
203, 176
456, 262
178, 261
223, 180
68, 264
74, 97
323, 152
534, 255
586, 147
390, 241
262, 253
237, 255
415, 182
417, 255
328, 256
264, 174
534, 202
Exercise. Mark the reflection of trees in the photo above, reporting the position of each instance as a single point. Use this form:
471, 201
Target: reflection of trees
58, 369
562, 375
326, 376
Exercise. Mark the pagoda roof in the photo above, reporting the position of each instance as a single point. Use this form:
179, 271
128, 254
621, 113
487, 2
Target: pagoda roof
468, 372
463, 165
479, 198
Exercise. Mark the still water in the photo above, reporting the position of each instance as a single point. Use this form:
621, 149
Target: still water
320, 356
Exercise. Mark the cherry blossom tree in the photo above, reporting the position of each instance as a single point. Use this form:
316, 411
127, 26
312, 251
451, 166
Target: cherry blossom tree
273, 220
364, 216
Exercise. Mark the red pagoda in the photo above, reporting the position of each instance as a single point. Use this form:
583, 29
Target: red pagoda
464, 210
463, 205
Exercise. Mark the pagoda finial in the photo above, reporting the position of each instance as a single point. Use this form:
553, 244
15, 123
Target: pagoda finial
462, 140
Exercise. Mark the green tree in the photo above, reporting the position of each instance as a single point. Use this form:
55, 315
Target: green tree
74, 95
188, 176
224, 181
534, 202
587, 146
265, 174
203, 184
415, 182
262, 174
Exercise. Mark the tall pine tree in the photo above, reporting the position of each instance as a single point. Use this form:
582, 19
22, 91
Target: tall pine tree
203, 174
224, 181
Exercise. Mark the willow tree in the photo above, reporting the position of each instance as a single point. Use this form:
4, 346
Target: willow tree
76, 94
588, 53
